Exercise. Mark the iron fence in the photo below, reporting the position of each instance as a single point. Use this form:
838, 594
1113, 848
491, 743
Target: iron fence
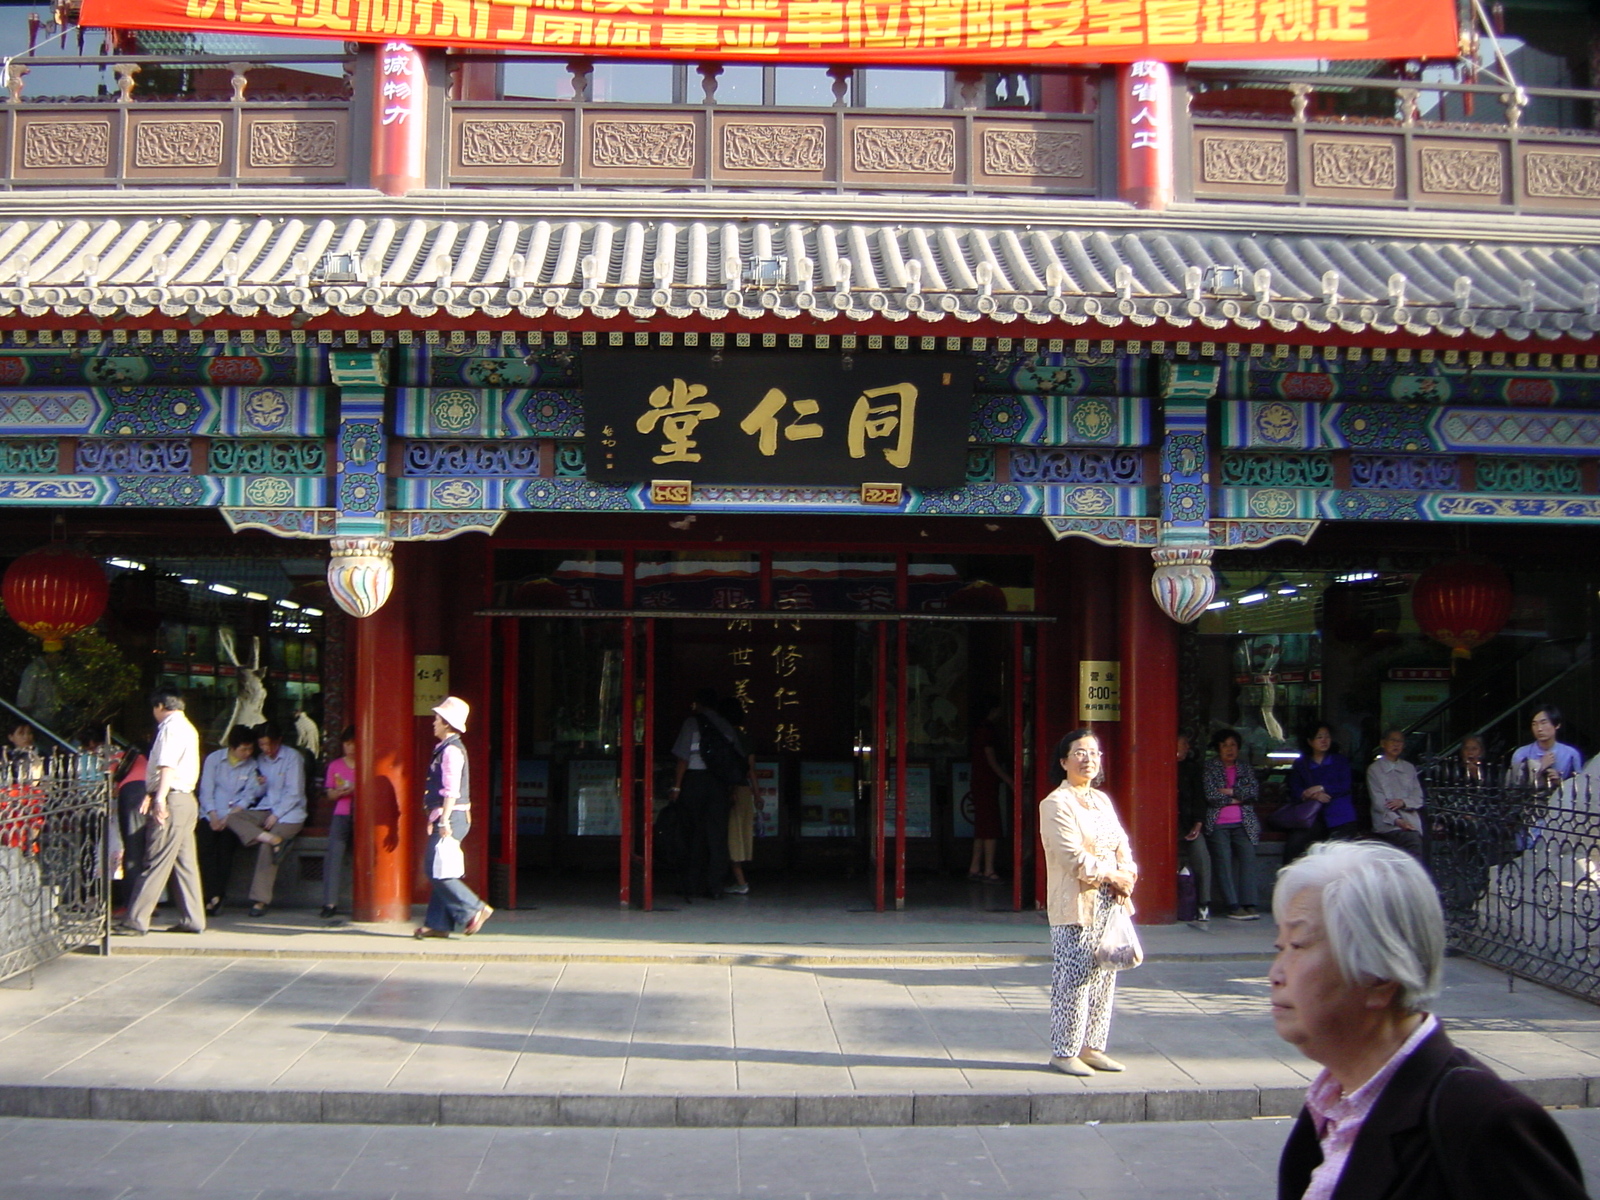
1518, 870
54, 885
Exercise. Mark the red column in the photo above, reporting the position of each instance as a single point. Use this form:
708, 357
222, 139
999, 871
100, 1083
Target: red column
1148, 765
399, 119
1145, 134
386, 801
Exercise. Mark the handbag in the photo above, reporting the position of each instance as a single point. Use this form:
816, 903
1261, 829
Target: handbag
1119, 946
1188, 896
448, 860
1300, 815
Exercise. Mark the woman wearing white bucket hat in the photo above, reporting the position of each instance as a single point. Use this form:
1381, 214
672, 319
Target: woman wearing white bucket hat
447, 799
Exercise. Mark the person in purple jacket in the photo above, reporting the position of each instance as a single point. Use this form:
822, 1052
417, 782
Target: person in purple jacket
1322, 774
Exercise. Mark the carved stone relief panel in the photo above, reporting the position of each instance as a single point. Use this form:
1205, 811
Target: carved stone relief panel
652, 144
513, 143
67, 144
1369, 166
1562, 176
177, 144
755, 147
905, 148
294, 144
1058, 154
1462, 170
1261, 162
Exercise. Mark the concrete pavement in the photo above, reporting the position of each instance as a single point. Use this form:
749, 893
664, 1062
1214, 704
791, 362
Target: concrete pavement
107, 1160
522, 1026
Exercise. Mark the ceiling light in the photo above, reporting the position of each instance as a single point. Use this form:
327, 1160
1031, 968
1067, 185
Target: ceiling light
224, 589
286, 604
1216, 604
254, 596
1253, 598
312, 612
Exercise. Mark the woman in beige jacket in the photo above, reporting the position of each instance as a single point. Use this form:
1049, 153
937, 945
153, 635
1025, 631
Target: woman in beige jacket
1090, 872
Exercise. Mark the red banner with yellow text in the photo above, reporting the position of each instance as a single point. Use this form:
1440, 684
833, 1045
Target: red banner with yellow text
946, 32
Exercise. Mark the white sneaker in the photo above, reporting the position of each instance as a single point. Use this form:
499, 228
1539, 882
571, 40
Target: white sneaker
1205, 913
737, 889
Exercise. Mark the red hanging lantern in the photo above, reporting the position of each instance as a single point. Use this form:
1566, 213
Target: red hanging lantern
53, 592
1463, 603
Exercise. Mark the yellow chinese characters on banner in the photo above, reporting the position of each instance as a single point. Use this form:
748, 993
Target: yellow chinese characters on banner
944, 32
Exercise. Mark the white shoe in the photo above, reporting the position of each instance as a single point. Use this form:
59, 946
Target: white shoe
1070, 1066
1099, 1060
1205, 913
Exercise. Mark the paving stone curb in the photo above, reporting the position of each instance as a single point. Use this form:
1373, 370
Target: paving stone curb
1111, 1105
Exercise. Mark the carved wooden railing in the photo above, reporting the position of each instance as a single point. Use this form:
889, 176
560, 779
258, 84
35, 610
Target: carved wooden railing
1371, 142
710, 146
214, 133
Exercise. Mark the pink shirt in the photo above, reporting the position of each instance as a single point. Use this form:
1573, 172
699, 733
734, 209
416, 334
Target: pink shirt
1230, 814
340, 772
1338, 1118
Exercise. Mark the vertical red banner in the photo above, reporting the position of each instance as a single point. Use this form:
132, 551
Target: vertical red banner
399, 119
1145, 134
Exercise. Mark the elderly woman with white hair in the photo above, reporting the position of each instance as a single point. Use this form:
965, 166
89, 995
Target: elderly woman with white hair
1398, 1111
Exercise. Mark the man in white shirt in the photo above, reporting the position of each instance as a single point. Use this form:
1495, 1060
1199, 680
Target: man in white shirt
1396, 794
171, 811
277, 816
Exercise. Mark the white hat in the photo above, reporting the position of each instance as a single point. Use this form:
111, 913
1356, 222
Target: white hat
453, 711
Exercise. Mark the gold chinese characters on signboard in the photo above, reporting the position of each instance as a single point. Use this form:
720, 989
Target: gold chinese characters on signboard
944, 32
1099, 690
792, 419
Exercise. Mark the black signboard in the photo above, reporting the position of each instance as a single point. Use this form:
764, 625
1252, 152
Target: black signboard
773, 418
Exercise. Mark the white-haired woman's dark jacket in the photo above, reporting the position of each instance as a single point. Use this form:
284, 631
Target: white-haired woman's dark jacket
1445, 1128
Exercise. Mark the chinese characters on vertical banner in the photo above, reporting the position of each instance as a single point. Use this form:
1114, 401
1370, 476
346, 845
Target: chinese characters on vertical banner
779, 418
942, 32
401, 86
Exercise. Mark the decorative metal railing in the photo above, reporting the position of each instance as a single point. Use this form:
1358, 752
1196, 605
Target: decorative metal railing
54, 889
1518, 869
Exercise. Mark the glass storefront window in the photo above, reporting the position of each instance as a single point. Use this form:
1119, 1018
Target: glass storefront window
971, 583
823, 582
697, 579
584, 579
1281, 650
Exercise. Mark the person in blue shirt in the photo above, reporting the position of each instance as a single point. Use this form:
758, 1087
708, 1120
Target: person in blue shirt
229, 783
1322, 774
1545, 761
275, 818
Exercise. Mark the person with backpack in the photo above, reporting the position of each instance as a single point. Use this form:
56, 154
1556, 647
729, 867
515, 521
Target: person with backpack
709, 767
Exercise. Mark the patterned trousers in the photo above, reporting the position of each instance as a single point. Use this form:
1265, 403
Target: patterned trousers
1080, 992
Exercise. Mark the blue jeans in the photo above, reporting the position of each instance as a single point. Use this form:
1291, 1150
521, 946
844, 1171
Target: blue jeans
453, 904
1233, 859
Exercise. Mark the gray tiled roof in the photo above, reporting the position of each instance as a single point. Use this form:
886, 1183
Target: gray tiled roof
849, 258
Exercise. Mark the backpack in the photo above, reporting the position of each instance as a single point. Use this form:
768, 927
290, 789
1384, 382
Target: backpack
722, 758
